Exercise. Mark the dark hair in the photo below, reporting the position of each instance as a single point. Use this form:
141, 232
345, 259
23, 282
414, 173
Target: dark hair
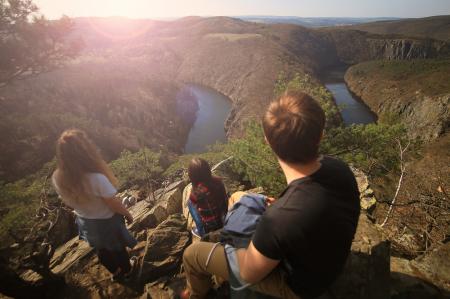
199, 171
293, 126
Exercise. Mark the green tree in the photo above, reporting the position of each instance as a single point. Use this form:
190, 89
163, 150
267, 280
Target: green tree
29, 43
371, 148
140, 168
254, 159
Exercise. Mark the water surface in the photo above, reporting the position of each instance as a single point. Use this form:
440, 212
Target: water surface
208, 127
353, 111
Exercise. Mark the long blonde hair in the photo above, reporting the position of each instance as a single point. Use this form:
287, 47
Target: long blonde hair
76, 156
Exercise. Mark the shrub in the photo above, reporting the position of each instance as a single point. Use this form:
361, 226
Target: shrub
372, 148
139, 168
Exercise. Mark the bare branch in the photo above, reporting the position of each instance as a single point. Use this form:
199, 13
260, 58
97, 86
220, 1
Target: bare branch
402, 151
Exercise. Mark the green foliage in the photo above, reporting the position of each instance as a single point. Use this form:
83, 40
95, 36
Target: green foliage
30, 44
254, 159
305, 83
19, 201
389, 118
372, 148
427, 76
137, 168
214, 155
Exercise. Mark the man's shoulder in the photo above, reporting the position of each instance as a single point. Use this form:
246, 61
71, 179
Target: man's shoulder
335, 162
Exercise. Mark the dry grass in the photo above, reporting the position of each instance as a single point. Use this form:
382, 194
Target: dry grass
232, 37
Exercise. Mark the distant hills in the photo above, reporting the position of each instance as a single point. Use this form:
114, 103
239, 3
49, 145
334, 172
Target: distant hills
437, 27
311, 22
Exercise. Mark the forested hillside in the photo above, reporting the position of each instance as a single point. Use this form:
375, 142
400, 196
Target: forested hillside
437, 27
123, 86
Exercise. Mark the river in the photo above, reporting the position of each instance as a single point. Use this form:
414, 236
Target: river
214, 108
208, 127
353, 110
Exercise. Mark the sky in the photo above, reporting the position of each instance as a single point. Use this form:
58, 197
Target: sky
303, 8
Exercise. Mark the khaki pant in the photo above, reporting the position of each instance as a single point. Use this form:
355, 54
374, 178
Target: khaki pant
199, 274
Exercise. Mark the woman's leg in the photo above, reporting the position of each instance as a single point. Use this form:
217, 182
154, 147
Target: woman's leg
123, 260
108, 259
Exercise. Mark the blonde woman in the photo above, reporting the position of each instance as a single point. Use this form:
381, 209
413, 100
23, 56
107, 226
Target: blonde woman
85, 183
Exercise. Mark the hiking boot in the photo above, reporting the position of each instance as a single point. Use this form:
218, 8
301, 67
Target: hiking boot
117, 277
134, 265
184, 294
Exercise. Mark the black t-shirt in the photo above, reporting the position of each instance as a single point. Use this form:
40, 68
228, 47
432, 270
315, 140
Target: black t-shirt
311, 227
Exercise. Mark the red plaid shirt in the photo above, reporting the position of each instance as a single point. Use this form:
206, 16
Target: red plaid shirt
211, 203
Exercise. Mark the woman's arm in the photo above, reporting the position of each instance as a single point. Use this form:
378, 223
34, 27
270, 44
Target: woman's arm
192, 197
116, 206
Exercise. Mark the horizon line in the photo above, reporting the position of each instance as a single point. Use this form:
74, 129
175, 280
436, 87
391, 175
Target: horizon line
247, 16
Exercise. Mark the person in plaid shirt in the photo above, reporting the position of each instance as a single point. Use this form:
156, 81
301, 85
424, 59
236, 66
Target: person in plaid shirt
208, 195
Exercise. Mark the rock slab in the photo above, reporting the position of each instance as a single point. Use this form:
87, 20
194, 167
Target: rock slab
367, 271
164, 249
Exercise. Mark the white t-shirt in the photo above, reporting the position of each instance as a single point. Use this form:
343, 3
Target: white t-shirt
93, 207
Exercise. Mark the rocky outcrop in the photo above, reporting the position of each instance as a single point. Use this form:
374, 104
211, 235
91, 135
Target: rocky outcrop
164, 248
367, 196
365, 47
162, 236
161, 230
420, 102
164, 288
427, 276
367, 271
406, 49
157, 207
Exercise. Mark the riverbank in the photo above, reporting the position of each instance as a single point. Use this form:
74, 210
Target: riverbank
417, 93
209, 124
353, 110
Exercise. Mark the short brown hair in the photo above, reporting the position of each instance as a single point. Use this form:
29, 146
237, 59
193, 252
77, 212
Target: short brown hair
293, 126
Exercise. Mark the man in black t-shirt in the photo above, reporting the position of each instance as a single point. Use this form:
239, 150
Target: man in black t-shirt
302, 241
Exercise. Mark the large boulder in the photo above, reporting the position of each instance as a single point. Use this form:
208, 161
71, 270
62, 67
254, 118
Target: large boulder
170, 197
164, 288
367, 271
143, 214
435, 266
426, 277
367, 196
409, 280
164, 248
152, 211
69, 254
